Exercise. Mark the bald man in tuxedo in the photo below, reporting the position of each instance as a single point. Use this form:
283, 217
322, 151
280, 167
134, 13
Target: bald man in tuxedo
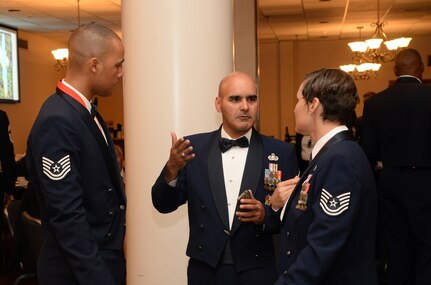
230, 241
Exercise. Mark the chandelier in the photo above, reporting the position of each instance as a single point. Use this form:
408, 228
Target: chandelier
362, 71
61, 55
368, 55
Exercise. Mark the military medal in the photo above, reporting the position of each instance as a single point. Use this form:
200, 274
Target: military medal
272, 177
303, 195
268, 199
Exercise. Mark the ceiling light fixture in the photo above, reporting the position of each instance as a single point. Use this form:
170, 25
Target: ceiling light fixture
362, 71
368, 55
61, 55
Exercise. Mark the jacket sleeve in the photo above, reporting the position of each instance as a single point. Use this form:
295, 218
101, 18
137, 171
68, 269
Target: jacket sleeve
167, 198
368, 139
55, 149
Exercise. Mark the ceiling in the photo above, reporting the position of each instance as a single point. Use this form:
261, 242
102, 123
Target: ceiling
56, 18
339, 19
279, 19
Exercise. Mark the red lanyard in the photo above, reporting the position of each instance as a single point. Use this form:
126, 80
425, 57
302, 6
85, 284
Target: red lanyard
71, 93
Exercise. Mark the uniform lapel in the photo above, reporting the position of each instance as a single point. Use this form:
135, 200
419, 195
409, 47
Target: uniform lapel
106, 149
216, 178
252, 170
310, 169
111, 158
341, 136
88, 119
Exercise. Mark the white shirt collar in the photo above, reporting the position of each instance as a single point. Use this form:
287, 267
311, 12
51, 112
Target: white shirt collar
87, 103
323, 140
407, 75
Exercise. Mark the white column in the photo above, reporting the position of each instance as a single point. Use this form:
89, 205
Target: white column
176, 54
245, 36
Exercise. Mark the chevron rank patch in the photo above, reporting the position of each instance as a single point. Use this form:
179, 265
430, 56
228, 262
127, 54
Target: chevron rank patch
334, 206
56, 170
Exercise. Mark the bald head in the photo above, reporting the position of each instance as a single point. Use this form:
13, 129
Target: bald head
409, 62
90, 40
237, 78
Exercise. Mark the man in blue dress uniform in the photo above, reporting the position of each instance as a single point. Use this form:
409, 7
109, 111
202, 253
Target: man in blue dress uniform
74, 171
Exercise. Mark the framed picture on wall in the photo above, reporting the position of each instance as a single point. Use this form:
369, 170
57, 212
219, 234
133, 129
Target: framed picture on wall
9, 74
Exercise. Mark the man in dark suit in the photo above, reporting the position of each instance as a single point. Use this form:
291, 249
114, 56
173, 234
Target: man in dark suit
328, 223
357, 125
396, 129
7, 159
230, 242
74, 171
7, 156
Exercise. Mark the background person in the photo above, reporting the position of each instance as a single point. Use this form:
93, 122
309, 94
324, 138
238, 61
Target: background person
120, 159
396, 130
303, 146
358, 123
7, 158
229, 242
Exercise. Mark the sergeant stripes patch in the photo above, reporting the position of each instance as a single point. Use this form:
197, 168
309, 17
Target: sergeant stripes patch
56, 170
334, 206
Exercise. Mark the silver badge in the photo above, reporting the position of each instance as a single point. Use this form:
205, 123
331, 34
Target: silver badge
56, 170
334, 206
273, 157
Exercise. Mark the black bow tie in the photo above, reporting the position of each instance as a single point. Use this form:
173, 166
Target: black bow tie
226, 144
93, 110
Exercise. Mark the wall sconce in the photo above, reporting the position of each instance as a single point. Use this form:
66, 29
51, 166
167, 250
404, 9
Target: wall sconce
61, 55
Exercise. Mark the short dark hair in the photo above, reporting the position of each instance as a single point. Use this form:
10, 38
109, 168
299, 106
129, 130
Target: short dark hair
409, 62
336, 91
90, 40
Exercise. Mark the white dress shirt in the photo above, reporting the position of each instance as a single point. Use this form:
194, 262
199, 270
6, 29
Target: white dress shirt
233, 169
